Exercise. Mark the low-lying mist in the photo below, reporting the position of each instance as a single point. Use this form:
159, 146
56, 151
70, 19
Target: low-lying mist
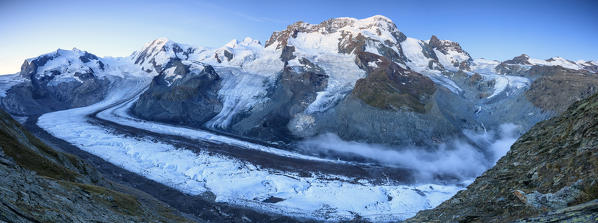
464, 159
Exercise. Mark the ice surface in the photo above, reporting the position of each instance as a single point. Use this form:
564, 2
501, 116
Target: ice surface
342, 74
9, 80
444, 81
507, 83
245, 77
239, 92
319, 196
322, 50
484, 66
321, 47
118, 114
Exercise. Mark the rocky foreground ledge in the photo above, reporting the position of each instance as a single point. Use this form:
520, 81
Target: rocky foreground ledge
550, 174
40, 184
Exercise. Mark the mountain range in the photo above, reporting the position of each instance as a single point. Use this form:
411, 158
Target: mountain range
357, 81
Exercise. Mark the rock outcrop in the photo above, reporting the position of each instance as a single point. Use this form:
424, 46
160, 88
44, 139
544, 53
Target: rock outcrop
40, 184
182, 94
390, 87
552, 168
556, 87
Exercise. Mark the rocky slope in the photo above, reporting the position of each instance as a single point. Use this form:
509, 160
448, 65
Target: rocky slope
556, 87
40, 184
182, 92
552, 168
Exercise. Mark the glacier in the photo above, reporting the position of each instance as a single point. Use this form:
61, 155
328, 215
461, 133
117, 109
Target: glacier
233, 181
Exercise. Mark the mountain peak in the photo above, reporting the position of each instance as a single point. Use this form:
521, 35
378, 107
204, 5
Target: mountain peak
373, 20
378, 21
521, 59
158, 52
378, 28
434, 41
157, 43
378, 18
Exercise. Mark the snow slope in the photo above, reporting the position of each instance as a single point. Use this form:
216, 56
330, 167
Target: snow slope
556, 61
412, 48
65, 65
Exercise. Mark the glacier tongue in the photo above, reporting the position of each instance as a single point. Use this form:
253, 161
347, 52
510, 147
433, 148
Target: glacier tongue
231, 180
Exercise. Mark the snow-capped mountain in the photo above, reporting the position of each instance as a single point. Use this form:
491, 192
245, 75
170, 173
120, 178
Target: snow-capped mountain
62, 66
57, 80
307, 76
358, 80
523, 63
354, 77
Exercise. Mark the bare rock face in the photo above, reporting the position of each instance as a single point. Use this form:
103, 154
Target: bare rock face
388, 86
585, 212
445, 46
553, 167
521, 59
555, 87
181, 93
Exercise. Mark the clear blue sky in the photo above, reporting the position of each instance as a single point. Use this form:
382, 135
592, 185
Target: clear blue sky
491, 29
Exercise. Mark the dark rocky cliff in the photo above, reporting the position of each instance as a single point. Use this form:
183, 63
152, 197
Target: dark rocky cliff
181, 95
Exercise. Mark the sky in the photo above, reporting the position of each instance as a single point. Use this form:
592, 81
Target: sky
486, 29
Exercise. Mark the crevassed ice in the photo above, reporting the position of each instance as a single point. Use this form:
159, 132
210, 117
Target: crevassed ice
245, 78
342, 74
505, 83
322, 50
237, 182
239, 92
